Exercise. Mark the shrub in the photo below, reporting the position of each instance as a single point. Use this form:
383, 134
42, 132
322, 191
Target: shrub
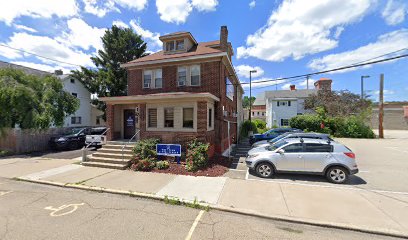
162, 165
355, 127
146, 148
246, 127
196, 157
309, 122
260, 125
143, 164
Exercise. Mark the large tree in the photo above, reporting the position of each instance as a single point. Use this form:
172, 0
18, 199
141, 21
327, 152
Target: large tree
338, 103
120, 45
32, 101
245, 102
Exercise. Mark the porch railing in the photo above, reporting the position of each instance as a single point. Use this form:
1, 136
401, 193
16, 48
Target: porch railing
123, 147
85, 148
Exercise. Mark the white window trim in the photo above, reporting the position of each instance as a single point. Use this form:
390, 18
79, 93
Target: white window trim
182, 118
151, 74
153, 78
199, 74
148, 118
178, 116
187, 75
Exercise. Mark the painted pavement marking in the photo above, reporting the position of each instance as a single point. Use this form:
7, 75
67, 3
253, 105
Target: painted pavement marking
52, 172
58, 212
397, 149
193, 227
2, 193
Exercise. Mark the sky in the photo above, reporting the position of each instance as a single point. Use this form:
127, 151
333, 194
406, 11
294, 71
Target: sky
278, 38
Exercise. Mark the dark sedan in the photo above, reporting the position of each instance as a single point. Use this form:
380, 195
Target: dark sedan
271, 134
74, 139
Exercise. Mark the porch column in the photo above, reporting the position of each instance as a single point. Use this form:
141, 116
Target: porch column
110, 110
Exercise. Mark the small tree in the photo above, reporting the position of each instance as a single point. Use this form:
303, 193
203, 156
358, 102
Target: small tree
32, 101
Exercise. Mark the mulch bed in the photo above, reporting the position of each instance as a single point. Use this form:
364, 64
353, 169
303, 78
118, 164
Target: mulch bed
217, 166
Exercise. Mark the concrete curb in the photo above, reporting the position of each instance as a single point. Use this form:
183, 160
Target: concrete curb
341, 226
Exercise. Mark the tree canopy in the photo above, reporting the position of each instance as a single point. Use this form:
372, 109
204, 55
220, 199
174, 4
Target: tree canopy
338, 103
245, 102
120, 45
32, 101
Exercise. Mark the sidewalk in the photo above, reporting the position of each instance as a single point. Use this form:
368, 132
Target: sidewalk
338, 206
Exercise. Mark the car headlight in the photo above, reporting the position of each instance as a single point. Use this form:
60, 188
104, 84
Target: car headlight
252, 155
61, 139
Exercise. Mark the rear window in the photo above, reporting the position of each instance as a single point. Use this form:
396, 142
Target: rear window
318, 147
97, 131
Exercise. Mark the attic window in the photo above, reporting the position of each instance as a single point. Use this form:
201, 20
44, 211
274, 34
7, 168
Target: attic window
170, 46
180, 44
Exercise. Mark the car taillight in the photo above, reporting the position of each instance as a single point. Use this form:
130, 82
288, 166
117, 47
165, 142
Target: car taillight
350, 155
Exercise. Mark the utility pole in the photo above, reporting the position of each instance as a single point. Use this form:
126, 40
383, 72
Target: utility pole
362, 85
381, 108
250, 94
307, 81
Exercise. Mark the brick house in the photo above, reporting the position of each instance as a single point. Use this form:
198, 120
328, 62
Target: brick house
188, 90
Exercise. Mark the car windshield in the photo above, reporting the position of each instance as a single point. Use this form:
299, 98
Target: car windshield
74, 131
97, 131
273, 147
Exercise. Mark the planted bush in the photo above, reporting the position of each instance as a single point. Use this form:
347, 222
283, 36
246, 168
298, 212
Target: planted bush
162, 164
144, 154
196, 157
260, 125
143, 165
246, 127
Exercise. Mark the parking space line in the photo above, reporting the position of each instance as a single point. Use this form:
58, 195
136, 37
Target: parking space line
397, 149
237, 170
247, 174
190, 233
324, 186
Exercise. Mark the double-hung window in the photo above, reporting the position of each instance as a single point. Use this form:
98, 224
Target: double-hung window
152, 117
147, 78
188, 117
181, 76
158, 80
169, 117
195, 75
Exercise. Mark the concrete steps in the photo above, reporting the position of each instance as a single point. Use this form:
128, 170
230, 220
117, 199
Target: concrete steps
110, 156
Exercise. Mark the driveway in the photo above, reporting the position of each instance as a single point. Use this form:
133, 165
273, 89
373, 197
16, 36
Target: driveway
383, 165
67, 154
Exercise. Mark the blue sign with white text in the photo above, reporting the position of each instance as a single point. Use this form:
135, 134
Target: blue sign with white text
173, 150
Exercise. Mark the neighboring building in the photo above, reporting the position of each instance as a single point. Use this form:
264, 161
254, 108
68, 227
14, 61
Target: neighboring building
258, 109
395, 116
282, 105
188, 90
83, 116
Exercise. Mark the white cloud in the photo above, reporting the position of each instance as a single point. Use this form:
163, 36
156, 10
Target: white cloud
43, 67
25, 28
11, 10
120, 23
243, 71
151, 38
205, 5
394, 12
92, 7
82, 35
177, 11
385, 43
252, 4
47, 47
133, 4
298, 28
301, 85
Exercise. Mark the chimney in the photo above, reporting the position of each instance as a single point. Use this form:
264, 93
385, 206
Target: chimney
58, 72
292, 87
323, 84
224, 39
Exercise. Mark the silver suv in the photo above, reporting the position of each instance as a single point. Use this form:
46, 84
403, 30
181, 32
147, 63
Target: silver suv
311, 156
303, 135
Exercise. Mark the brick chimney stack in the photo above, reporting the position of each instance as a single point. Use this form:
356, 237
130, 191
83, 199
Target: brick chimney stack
58, 72
292, 87
323, 84
224, 39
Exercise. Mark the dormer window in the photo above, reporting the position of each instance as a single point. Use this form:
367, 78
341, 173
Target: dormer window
176, 45
170, 46
180, 44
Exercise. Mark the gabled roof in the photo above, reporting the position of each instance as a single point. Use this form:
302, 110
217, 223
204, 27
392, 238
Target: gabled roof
301, 93
178, 35
200, 49
259, 99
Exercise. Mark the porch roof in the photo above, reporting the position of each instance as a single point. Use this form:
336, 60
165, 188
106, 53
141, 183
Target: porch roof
158, 97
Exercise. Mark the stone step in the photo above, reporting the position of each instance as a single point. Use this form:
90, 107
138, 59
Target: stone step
108, 160
116, 146
106, 165
121, 143
112, 155
115, 150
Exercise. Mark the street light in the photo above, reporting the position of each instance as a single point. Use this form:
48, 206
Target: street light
250, 99
362, 85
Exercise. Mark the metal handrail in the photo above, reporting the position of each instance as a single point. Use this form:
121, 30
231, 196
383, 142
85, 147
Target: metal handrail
123, 147
84, 149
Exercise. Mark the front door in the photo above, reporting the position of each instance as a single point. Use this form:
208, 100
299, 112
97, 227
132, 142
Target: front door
129, 123
291, 159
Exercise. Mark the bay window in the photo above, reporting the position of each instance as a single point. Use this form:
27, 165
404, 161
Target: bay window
169, 117
188, 117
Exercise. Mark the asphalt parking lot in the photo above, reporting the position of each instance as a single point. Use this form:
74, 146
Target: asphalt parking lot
65, 154
383, 165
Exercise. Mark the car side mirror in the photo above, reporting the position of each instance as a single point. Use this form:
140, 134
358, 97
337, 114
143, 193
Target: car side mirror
281, 151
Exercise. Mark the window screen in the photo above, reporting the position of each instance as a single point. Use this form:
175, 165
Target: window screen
169, 117
152, 115
188, 120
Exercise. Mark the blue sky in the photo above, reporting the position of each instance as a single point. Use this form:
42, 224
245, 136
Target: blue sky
279, 38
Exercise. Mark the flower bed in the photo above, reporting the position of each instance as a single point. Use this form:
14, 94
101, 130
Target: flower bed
216, 167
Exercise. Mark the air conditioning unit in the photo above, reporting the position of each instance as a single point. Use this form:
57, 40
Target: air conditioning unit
146, 85
181, 83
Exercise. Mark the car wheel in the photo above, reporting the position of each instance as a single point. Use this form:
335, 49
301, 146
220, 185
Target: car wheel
264, 170
337, 175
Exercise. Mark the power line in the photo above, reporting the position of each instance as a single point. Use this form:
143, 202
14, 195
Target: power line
34, 54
